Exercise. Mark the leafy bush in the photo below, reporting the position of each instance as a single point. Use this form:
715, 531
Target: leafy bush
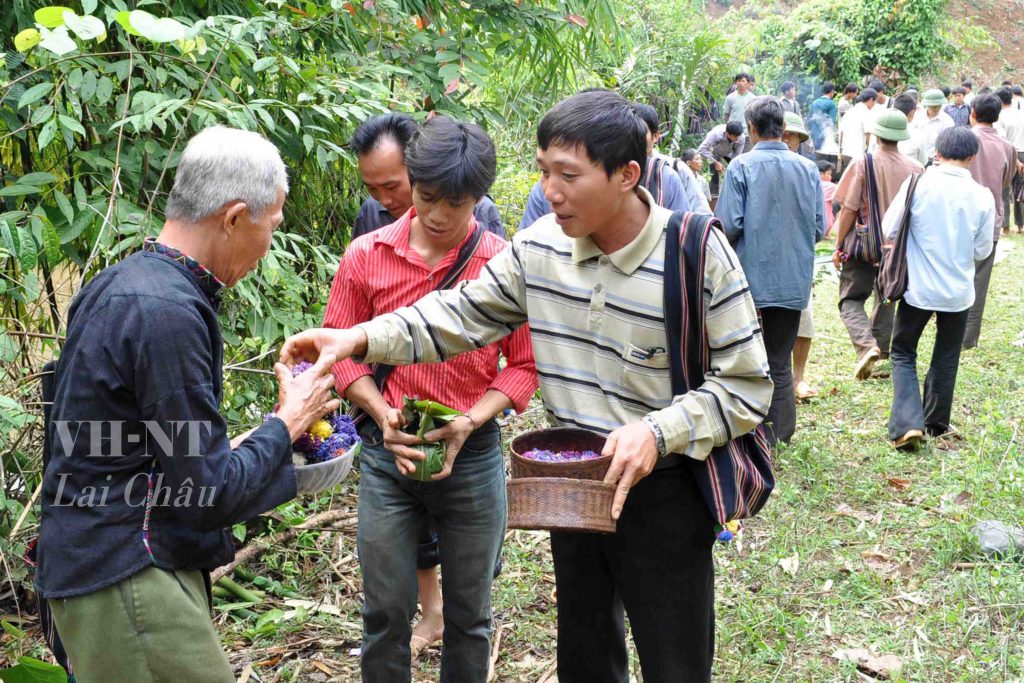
842, 40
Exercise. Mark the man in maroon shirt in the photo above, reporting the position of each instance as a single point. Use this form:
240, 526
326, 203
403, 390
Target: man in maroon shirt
451, 166
993, 167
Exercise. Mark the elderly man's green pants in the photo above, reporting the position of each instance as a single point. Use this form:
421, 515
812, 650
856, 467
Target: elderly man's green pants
149, 628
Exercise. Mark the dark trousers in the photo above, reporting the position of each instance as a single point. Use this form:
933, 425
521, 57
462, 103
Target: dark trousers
982, 278
1010, 200
908, 409
844, 163
715, 186
856, 284
656, 568
779, 327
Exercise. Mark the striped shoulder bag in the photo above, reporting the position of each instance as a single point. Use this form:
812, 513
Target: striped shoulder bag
737, 477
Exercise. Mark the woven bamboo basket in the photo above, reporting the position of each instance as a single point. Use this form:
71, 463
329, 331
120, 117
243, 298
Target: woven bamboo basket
560, 496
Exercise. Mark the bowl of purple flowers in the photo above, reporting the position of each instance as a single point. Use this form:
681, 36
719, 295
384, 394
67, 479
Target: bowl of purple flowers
323, 456
558, 482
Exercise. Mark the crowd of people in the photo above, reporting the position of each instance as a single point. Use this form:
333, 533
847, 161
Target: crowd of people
430, 300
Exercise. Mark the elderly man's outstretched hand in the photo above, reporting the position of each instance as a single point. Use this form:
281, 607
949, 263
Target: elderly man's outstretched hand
306, 398
311, 344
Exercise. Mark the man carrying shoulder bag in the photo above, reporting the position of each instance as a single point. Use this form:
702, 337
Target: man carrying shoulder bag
867, 189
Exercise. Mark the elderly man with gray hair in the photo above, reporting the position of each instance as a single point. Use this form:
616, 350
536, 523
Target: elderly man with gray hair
143, 484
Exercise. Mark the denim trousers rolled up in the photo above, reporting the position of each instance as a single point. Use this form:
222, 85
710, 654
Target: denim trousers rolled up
909, 409
469, 513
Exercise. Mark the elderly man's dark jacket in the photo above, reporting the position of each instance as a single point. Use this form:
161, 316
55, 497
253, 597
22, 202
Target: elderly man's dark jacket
136, 427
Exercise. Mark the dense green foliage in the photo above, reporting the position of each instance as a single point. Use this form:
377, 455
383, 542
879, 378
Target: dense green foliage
96, 103
842, 40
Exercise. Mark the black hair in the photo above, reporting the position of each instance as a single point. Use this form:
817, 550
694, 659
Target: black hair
734, 128
649, 115
766, 115
867, 94
851, 87
371, 132
1005, 95
959, 90
877, 86
945, 91
828, 88
1016, 90
968, 84
787, 86
741, 75
825, 166
986, 108
905, 103
689, 155
1006, 83
453, 158
603, 123
984, 90
957, 143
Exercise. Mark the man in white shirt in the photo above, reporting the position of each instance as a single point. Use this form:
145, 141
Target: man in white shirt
951, 223
934, 121
913, 146
855, 127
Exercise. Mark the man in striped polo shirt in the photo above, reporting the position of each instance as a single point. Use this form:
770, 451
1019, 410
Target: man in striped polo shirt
589, 280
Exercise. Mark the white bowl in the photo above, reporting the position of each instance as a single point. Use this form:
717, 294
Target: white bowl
326, 474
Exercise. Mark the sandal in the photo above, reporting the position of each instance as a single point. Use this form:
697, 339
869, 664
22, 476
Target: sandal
417, 644
805, 391
909, 441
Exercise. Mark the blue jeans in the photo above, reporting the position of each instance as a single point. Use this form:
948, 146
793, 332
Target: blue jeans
469, 511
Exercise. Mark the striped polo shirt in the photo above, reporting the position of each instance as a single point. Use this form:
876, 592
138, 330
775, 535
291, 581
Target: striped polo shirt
598, 331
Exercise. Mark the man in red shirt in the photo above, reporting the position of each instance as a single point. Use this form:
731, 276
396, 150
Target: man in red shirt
451, 166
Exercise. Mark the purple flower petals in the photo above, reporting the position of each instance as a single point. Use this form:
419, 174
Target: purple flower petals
543, 455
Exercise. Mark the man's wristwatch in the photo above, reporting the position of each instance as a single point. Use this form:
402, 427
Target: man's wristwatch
659, 437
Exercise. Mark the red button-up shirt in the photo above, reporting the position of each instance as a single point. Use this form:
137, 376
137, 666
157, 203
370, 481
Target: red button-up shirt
380, 273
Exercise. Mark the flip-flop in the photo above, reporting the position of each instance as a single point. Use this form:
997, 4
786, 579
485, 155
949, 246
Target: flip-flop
417, 644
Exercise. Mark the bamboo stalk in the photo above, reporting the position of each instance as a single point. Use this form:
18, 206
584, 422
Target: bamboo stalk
255, 549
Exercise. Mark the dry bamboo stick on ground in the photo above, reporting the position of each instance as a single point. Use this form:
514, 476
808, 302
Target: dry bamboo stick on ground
258, 547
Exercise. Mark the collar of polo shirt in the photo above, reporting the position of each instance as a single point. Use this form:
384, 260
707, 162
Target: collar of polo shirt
631, 256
